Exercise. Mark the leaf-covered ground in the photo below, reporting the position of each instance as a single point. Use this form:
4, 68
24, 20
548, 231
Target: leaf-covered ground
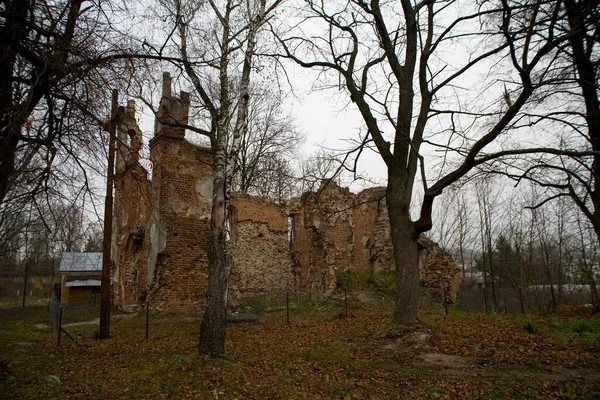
319, 354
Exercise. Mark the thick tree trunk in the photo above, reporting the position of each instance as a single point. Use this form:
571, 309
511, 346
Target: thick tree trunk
406, 256
213, 328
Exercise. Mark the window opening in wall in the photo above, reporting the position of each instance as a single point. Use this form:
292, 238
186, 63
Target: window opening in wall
228, 227
291, 228
130, 136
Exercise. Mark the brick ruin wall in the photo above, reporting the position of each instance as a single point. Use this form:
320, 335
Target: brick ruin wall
162, 228
132, 208
169, 266
322, 238
261, 262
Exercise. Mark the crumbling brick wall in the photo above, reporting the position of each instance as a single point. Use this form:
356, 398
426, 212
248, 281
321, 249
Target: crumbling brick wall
132, 205
335, 230
323, 237
259, 249
179, 225
170, 231
163, 226
372, 245
438, 270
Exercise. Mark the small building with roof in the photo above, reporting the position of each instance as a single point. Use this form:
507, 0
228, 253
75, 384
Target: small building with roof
81, 278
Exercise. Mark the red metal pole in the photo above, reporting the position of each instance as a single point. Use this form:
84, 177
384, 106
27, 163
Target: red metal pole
104, 332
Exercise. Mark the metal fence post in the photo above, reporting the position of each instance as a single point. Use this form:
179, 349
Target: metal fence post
287, 307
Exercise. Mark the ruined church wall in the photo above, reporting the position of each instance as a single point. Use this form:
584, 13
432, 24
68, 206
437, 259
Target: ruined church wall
336, 230
179, 226
162, 228
132, 208
260, 255
161, 245
438, 269
372, 244
324, 238
129, 277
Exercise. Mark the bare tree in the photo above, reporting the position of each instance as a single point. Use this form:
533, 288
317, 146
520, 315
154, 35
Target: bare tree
276, 179
269, 142
465, 240
94, 238
488, 201
51, 91
380, 51
216, 42
324, 165
587, 259
568, 109
454, 226
69, 227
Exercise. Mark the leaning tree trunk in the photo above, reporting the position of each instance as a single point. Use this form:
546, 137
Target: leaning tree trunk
406, 256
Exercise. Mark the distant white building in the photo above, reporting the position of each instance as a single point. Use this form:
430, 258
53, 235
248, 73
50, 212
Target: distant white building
472, 276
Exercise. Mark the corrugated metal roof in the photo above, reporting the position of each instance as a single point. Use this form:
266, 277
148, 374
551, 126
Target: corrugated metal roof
81, 262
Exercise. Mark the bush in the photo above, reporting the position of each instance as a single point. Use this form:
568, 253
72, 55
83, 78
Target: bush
349, 279
531, 327
528, 324
385, 281
300, 305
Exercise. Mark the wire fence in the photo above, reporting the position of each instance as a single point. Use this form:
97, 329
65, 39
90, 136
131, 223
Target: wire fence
56, 317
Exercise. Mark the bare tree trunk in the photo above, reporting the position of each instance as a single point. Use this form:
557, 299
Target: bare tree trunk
490, 255
404, 242
10, 128
549, 272
213, 328
225, 159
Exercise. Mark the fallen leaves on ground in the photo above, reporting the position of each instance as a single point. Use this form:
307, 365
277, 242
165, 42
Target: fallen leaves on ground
501, 339
319, 355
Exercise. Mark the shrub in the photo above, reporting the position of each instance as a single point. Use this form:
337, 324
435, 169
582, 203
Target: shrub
531, 327
385, 280
348, 279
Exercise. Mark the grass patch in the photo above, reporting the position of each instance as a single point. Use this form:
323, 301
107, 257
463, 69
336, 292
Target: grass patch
384, 281
529, 324
585, 330
354, 280
349, 279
